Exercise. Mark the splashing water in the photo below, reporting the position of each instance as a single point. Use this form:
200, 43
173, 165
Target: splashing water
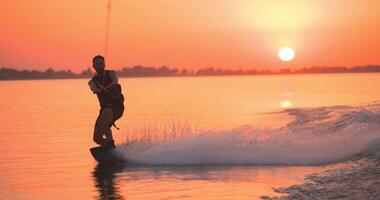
315, 136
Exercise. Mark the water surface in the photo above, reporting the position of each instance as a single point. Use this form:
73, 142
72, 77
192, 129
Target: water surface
46, 131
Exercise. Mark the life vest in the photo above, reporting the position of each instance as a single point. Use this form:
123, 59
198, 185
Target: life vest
113, 95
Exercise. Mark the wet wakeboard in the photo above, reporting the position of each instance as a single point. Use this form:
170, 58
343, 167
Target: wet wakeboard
104, 154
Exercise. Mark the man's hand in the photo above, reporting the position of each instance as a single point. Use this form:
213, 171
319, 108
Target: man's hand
108, 87
102, 91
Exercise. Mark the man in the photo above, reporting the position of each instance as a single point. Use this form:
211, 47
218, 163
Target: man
105, 85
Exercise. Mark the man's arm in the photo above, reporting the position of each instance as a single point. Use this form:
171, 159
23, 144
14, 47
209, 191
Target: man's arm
114, 79
94, 87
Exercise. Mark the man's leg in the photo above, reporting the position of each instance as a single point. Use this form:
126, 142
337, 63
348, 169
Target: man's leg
102, 127
106, 119
98, 136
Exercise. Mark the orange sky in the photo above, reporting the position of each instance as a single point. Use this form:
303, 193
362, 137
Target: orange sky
193, 34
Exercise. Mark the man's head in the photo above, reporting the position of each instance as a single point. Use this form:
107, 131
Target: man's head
98, 64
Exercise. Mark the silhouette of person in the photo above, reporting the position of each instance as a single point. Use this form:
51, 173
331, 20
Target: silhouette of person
105, 85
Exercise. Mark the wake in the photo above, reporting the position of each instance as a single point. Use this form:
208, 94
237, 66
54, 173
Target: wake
315, 136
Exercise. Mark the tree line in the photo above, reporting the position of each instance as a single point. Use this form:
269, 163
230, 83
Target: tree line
143, 71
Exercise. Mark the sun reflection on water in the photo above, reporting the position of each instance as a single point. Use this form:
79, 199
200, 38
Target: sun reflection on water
286, 104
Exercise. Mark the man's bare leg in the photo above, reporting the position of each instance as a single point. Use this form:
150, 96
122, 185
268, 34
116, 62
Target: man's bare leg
98, 136
103, 127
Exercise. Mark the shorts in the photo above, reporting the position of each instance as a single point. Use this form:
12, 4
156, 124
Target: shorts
117, 112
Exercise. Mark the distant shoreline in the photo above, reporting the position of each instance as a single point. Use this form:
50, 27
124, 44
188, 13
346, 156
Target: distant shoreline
146, 72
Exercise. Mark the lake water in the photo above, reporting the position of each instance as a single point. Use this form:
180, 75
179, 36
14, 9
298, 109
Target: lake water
192, 137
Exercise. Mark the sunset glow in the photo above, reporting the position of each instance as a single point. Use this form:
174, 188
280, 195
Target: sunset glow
188, 34
190, 99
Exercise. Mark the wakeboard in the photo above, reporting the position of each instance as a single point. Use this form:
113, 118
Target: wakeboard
104, 154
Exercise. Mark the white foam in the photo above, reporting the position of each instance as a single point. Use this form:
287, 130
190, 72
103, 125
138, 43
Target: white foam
317, 135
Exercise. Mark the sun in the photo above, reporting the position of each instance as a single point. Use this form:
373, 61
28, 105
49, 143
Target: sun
286, 54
